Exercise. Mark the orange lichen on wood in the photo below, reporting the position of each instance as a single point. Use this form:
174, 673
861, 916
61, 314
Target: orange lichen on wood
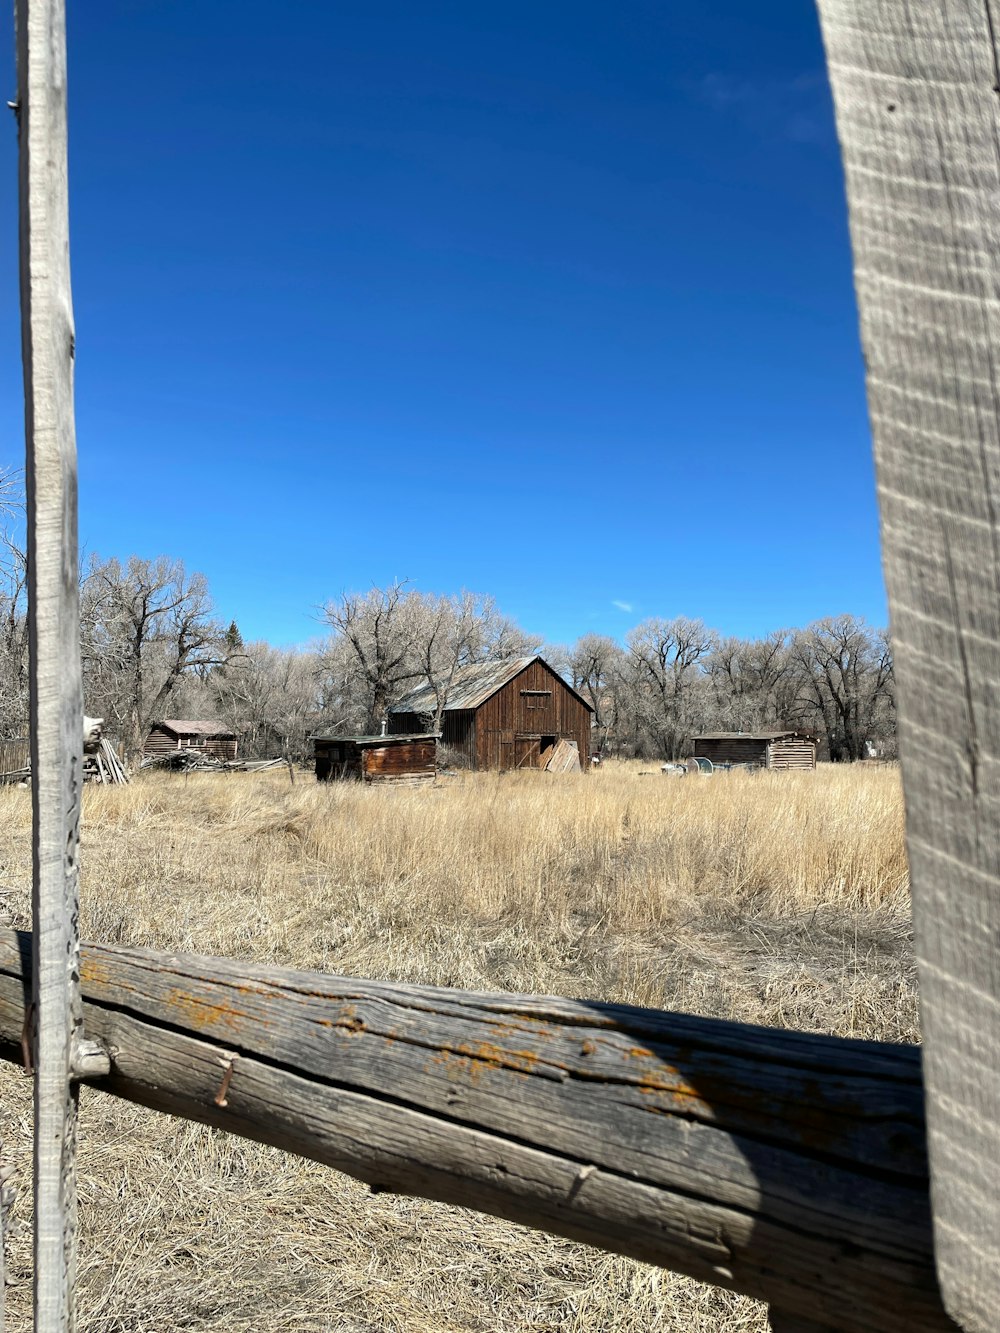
203, 1014
475, 1060
93, 972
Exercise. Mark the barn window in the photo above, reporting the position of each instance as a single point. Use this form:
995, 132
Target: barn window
536, 698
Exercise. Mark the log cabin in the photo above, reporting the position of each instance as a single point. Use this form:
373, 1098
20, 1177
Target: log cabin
210, 738
777, 749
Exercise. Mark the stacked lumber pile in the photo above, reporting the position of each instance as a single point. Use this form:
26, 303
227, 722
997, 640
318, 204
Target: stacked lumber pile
197, 761
101, 764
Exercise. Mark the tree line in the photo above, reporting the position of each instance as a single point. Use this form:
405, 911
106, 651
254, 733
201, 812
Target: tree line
153, 646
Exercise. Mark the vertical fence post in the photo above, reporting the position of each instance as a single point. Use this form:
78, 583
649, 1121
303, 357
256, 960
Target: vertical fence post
53, 625
917, 93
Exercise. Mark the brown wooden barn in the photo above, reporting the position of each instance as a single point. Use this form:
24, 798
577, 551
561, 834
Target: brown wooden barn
502, 715
376, 758
779, 749
211, 738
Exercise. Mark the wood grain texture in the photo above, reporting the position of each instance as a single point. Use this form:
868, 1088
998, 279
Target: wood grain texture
917, 95
53, 630
787, 1166
793, 1323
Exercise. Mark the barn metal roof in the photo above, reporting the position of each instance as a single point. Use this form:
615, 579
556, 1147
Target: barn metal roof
472, 686
186, 727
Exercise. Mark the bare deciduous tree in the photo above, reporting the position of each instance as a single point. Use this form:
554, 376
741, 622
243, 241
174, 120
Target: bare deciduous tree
666, 658
387, 640
375, 647
458, 631
268, 696
597, 669
144, 625
846, 674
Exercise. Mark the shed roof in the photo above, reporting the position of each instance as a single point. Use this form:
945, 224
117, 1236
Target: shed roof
187, 727
754, 735
367, 741
473, 685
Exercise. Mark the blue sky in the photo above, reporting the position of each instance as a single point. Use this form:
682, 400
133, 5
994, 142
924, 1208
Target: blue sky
549, 301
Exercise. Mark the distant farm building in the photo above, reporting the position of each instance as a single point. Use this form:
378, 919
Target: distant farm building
376, 758
502, 715
769, 749
210, 738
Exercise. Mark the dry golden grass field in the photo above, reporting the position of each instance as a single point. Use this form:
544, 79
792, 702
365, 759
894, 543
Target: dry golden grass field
775, 898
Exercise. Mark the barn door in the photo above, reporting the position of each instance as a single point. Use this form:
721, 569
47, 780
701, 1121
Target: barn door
526, 751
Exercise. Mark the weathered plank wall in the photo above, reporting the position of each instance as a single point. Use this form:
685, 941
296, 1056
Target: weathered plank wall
413, 761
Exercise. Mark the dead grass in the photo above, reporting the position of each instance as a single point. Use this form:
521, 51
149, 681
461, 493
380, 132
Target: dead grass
775, 898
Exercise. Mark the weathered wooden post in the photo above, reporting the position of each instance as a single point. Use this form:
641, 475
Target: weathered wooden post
917, 93
59, 1052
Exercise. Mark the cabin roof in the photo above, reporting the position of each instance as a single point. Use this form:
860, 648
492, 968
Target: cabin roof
188, 727
754, 735
473, 685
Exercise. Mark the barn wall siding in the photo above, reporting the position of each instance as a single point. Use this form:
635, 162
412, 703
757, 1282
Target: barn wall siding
458, 730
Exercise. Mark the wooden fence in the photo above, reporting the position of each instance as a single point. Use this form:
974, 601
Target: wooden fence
791, 1167
14, 759
786, 1166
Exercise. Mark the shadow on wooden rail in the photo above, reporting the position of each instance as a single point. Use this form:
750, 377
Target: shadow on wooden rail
786, 1166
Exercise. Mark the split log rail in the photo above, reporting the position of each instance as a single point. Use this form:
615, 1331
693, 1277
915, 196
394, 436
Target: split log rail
788, 1166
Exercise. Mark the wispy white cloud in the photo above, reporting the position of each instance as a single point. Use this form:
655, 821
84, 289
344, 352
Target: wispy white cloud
796, 108
623, 606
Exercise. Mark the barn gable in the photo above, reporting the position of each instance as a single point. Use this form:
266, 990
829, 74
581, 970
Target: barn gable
502, 715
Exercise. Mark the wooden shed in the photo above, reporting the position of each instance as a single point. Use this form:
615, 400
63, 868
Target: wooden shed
502, 715
770, 749
211, 738
376, 758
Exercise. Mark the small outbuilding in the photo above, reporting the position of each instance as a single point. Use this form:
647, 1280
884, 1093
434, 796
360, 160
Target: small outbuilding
503, 715
778, 749
173, 734
376, 758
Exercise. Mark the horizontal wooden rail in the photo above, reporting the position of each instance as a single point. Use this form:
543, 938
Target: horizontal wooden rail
787, 1166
